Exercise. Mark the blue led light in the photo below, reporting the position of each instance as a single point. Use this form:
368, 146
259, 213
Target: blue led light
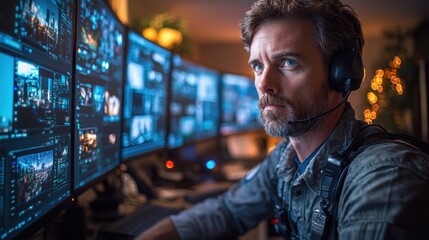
210, 164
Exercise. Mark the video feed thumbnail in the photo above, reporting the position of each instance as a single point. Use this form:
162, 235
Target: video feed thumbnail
41, 27
85, 94
135, 73
187, 126
110, 135
149, 103
32, 89
184, 131
112, 104
88, 143
100, 100
42, 97
34, 175
100, 41
40, 23
6, 89
185, 85
142, 129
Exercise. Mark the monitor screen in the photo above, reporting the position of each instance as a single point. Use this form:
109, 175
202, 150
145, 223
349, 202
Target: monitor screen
36, 42
240, 111
194, 103
98, 91
145, 97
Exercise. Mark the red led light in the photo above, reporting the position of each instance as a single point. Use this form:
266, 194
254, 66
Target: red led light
274, 221
169, 164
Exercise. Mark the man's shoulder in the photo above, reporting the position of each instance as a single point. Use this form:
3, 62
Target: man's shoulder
390, 154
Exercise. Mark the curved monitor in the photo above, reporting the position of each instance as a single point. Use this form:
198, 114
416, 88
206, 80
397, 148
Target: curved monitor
194, 103
145, 97
240, 111
98, 91
36, 42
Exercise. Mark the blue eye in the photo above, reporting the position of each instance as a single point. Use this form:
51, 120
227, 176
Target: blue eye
289, 63
258, 67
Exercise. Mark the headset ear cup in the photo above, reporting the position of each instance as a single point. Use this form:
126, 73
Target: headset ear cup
344, 66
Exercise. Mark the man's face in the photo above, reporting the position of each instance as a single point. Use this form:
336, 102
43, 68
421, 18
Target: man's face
290, 76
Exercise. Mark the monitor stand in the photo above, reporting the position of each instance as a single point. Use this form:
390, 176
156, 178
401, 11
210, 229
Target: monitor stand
73, 223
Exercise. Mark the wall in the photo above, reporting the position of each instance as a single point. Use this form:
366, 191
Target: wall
227, 57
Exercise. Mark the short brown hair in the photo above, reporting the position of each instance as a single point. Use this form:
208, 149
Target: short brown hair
337, 26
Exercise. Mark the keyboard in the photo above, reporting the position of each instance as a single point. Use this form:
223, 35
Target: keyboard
136, 223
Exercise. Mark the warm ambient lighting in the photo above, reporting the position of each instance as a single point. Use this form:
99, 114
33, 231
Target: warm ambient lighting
377, 92
166, 37
150, 33
164, 29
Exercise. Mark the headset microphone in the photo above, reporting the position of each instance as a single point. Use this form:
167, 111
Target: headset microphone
348, 91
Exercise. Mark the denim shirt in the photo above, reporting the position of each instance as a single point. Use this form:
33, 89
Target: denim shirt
385, 193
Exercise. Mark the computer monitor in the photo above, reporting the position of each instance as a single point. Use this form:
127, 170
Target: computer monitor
194, 103
98, 91
240, 111
36, 42
145, 97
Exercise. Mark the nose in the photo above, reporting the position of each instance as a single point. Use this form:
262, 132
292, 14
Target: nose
267, 82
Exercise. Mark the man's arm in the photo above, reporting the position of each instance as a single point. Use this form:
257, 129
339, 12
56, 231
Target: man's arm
164, 229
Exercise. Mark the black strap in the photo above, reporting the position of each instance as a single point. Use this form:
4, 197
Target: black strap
322, 218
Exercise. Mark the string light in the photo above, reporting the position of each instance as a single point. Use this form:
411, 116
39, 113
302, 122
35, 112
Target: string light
376, 95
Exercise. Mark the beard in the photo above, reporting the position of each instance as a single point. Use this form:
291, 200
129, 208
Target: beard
279, 123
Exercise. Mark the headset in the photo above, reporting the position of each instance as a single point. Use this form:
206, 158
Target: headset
346, 65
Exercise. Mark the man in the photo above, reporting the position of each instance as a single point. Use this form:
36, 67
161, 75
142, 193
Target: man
305, 55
